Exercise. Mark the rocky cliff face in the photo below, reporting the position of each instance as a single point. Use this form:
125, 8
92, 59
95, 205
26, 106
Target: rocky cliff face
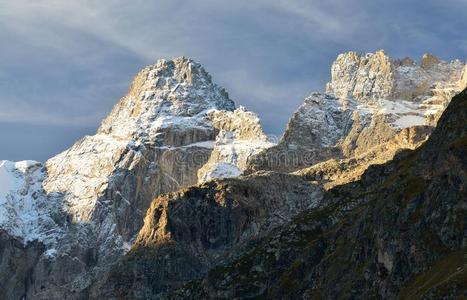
369, 101
336, 171
376, 76
86, 205
463, 81
311, 135
187, 233
399, 233
361, 76
16, 262
240, 137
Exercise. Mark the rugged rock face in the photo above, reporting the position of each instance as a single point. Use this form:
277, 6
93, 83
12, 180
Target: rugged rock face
335, 172
66, 223
376, 76
240, 137
88, 203
399, 233
371, 98
187, 233
463, 81
361, 76
311, 135
16, 262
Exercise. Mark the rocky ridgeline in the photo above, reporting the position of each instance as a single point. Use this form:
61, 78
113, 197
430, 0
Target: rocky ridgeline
86, 205
371, 103
72, 228
398, 233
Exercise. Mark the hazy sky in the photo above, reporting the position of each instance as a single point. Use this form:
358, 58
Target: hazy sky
65, 63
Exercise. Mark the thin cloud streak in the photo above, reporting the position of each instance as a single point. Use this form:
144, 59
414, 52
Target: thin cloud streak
68, 62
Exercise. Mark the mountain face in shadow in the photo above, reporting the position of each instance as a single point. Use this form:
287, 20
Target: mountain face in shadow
398, 233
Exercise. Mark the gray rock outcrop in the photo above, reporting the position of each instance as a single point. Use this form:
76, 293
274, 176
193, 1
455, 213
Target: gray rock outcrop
369, 101
189, 232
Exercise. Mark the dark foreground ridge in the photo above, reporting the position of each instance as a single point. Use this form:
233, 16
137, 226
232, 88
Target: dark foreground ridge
189, 232
400, 232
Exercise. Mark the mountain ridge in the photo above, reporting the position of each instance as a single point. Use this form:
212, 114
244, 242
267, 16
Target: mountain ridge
91, 198
366, 105
176, 128
398, 233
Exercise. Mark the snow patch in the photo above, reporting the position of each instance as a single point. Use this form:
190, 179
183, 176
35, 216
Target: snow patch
205, 144
221, 170
409, 121
24, 209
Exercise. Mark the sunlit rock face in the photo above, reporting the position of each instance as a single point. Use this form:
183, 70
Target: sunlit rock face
369, 101
463, 80
240, 137
357, 76
91, 199
374, 76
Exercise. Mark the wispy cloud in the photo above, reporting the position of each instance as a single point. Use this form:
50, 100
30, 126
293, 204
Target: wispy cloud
65, 62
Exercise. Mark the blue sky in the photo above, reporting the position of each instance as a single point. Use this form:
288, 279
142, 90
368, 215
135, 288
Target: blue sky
64, 64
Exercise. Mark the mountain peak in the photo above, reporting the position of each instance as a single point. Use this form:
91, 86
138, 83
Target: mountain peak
429, 60
372, 102
173, 91
78, 214
183, 69
359, 76
374, 76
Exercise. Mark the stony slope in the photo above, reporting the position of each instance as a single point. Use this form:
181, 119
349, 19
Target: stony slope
399, 233
335, 172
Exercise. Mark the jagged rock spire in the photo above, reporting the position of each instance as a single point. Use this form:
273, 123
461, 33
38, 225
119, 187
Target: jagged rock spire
374, 76
170, 92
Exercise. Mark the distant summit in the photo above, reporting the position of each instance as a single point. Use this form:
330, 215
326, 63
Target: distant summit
374, 106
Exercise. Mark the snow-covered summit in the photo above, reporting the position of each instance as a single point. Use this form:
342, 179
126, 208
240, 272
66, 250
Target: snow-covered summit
171, 93
412, 93
87, 203
370, 99
167, 106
